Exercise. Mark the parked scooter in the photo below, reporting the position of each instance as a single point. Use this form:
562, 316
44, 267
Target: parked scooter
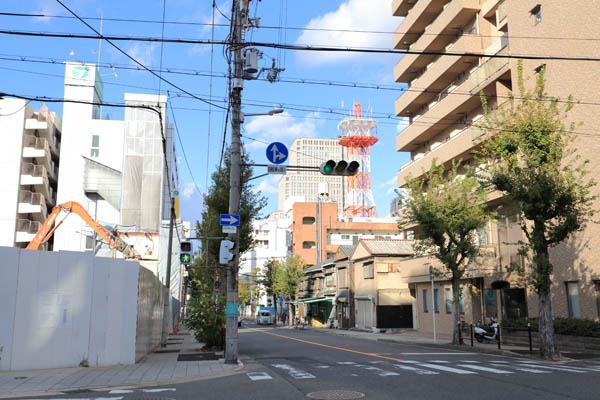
486, 332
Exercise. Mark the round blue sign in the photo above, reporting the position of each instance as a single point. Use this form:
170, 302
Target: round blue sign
277, 153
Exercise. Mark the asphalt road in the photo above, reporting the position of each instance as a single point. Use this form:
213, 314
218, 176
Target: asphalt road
299, 364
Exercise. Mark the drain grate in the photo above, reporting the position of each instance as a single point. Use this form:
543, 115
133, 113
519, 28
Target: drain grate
167, 351
198, 357
335, 395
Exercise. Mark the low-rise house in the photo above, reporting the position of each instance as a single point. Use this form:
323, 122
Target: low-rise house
344, 296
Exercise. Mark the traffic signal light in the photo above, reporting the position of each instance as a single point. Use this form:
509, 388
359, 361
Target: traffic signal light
226, 251
185, 255
339, 168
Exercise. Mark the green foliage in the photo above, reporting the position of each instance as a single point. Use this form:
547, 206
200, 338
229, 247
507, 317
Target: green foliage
288, 275
448, 210
244, 292
269, 271
562, 326
528, 157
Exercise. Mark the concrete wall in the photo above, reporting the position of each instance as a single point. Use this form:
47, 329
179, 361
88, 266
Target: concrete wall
47, 300
149, 312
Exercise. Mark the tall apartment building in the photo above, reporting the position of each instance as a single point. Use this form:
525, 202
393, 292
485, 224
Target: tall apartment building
311, 152
29, 156
443, 102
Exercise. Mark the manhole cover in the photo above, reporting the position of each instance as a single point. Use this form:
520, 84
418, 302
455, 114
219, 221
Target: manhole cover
198, 357
335, 395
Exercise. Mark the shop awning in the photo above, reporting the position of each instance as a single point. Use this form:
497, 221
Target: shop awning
329, 299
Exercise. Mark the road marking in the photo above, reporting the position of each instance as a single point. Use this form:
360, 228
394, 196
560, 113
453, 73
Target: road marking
534, 371
346, 363
436, 354
120, 391
294, 372
485, 369
562, 369
442, 368
439, 361
322, 366
376, 362
500, 362
326, 345
381, 354
388, 373
258, 376
159, 390
469, 361
417, 370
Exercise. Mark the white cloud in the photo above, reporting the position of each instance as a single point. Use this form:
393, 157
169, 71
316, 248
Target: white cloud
269, 185
392, 181
371, 15
189, 188
144, 53
280, 127
402, 124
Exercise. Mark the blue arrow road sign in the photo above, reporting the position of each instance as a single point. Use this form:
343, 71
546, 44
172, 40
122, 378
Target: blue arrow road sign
229, 220
277, 153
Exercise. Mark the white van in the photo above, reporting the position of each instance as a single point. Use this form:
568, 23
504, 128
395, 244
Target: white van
264, 317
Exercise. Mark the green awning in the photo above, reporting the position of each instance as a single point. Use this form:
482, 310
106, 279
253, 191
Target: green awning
329, 299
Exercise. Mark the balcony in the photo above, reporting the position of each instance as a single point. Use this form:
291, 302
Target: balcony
488, 9
436, 76
446, 107
34, 204
401, 7
416, 21
502, 15
452, 148
26, 230
37, 176
38, 148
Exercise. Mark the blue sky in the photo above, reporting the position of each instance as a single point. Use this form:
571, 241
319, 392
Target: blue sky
192, 116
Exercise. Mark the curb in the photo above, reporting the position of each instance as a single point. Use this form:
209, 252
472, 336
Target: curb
67, 392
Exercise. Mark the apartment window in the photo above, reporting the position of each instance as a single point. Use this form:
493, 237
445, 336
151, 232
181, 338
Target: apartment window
368, 271
448, 300
425, 303
308, 220
95, 151
308, 245
329, 280
536, 13
573, 299
436, 301
345, 237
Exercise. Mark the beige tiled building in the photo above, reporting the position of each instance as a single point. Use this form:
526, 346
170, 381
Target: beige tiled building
442, 104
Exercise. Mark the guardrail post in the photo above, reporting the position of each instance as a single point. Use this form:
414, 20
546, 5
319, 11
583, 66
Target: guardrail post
471, 335
530, 343
499, 337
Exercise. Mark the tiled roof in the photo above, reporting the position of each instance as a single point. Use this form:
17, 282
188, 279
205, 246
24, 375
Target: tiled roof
347, 249
389, 247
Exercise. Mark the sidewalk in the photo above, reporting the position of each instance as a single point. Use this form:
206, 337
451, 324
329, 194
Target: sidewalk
159, 368
443, 340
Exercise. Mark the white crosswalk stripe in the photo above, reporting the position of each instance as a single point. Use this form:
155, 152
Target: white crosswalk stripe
562, 369
441, 368
258, 376
533, 371
485, 369
439, 361
294, 372
419, 371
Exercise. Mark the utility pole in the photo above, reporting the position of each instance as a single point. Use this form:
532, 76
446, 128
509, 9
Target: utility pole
167, 289
231, 332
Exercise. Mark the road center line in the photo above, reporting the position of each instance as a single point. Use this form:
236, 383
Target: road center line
327, 346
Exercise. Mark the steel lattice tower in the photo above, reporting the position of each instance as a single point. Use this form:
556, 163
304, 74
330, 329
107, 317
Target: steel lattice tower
355, 136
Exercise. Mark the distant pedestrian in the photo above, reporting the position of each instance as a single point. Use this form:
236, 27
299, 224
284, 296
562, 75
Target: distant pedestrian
283, 317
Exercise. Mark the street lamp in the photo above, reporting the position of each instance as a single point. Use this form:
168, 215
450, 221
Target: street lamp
270, 112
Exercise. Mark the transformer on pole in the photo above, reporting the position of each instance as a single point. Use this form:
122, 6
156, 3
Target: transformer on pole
356, 137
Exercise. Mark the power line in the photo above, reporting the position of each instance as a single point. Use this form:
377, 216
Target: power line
295, 28
317, 48
132, 58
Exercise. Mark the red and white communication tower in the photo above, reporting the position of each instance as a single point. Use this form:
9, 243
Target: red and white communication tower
355, 136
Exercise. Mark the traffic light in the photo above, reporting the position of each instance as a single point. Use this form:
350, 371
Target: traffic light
186, 252
339, 168
226, 251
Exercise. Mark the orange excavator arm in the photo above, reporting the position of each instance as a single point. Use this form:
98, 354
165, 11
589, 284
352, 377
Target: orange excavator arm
46, 231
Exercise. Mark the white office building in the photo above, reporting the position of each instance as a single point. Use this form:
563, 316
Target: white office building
311, 152
29, 157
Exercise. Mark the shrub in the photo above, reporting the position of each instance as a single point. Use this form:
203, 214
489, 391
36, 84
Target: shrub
562, 326
207, 319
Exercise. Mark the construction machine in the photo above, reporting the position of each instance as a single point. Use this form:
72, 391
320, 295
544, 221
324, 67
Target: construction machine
46, 231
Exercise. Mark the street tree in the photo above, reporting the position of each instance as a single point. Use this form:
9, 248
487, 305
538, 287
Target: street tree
449, 210
289, 274
531, 160
244, 293
269, 270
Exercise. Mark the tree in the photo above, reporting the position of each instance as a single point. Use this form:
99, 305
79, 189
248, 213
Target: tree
269, 271
449, 210
532, 162
207, 305
288, 276
244, 293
